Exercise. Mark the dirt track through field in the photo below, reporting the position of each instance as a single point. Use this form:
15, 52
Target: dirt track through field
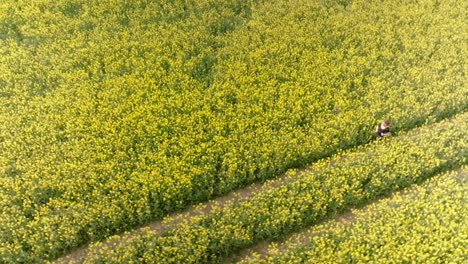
303, 236
172, 220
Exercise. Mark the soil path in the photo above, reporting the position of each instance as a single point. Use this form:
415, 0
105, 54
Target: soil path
172, 220
78, 255
261, 250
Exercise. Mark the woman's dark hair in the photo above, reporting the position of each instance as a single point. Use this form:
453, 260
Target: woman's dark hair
386, 122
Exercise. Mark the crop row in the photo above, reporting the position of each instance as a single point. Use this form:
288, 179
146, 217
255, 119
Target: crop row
427, 225
330, 185
114, 113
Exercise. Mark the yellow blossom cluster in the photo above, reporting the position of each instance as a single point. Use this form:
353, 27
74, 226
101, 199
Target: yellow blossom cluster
114, 113
424, 225
328, 186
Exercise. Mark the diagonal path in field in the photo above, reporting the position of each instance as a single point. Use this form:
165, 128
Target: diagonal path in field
261, 249
172, 220
264, 249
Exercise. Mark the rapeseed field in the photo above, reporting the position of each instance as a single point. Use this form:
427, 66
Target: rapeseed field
116, 113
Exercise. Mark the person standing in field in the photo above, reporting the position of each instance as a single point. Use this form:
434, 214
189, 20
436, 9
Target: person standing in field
382, 129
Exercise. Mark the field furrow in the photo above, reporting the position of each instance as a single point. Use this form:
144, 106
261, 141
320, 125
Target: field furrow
424, 224
174, 219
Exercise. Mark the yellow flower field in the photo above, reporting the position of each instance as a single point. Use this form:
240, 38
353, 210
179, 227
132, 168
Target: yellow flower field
116, 113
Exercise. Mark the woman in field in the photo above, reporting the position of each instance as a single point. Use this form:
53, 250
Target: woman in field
382, 129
